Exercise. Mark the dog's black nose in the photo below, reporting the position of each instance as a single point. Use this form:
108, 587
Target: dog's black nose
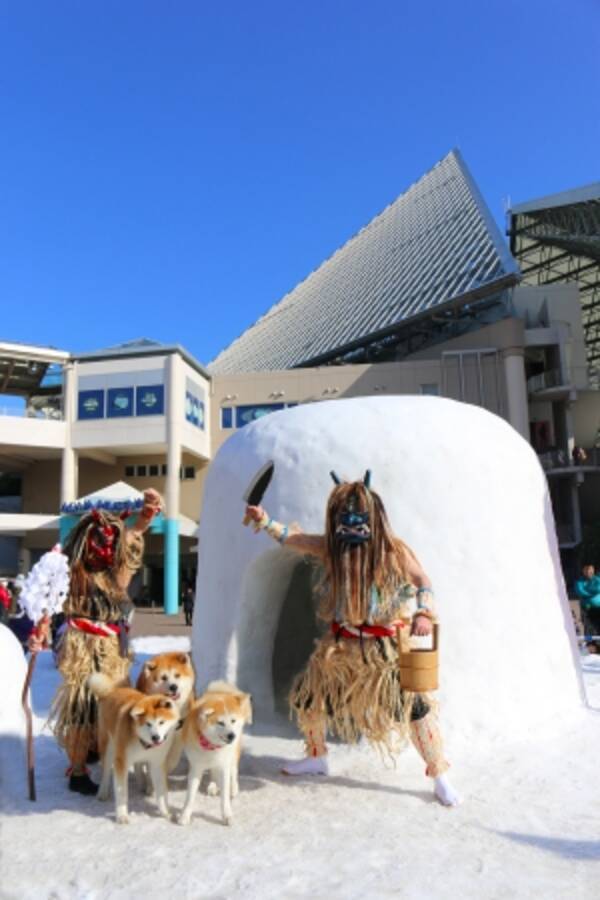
156, 738
230, 737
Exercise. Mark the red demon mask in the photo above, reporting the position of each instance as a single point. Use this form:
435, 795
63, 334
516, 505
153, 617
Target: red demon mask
101, 544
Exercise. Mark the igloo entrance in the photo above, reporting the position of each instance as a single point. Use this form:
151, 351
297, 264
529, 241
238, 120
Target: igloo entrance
277, 626
296, 631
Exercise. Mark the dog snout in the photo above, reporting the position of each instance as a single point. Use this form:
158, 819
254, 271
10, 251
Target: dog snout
173, 688
156, 738
230, 737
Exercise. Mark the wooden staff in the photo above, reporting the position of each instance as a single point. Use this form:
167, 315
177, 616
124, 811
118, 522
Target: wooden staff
38, 639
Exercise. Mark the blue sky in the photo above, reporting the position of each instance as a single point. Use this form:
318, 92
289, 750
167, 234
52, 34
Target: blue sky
170, 170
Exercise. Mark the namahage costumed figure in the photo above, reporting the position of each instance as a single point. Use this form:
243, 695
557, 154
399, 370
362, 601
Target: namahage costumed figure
103, 555
373, 584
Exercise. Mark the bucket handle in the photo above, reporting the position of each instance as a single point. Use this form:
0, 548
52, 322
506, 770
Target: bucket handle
432, 649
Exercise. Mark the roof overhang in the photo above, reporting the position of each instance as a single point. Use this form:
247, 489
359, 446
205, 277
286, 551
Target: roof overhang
23, 367
556, 239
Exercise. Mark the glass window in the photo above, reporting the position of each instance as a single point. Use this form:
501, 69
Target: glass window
163, 469
432, 390
141, 471
189, 473
194, 410
246, 414
90, 405
153, 471
119, 403
130, 471
150, 400
227, 417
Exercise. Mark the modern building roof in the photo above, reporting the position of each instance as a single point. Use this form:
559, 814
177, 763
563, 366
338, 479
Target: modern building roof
436, 246
141, 347
24, 368
557, 239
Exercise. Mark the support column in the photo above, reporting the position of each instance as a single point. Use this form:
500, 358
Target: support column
171, 525
516, 391
69, 463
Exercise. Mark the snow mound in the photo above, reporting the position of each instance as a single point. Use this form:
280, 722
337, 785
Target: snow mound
164, 643
464, 490
13, 668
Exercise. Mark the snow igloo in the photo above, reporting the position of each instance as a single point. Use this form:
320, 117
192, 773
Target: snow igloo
463, 490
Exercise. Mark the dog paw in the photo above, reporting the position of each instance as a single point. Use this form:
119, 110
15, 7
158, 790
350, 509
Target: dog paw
227, 820
102, 795
183, 819
123, 819
212, 790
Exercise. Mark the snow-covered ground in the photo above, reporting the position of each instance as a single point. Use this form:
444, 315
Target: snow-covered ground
529, 825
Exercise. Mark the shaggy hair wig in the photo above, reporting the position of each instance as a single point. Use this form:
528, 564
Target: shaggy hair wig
353, 570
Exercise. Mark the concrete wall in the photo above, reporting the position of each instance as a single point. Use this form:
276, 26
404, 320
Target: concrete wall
558, 304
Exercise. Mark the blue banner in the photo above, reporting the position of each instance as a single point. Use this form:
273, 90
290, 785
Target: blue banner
90, 405
150, 400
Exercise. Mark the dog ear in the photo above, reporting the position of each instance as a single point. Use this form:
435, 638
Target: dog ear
205, 711
164, 704
137, 711
246, 707
184, 659
150, 666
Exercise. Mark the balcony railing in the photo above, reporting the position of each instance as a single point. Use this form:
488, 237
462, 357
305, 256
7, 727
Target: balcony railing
49, 413
553, 378
559, 459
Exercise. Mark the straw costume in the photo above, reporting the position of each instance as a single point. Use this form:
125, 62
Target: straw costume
103, 555
372, 586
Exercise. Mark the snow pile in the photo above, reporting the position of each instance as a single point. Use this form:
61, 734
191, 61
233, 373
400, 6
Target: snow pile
13, 668
528, 825
161, 644
464, 490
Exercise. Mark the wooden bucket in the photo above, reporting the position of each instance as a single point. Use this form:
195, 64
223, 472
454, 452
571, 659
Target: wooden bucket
418, 667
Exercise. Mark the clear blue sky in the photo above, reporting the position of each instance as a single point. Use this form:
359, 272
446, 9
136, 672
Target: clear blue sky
172, 169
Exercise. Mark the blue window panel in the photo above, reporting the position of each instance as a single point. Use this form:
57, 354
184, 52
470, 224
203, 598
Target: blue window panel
119, 403
150, 400
189, 407
90, 405
227, 417
246, 414
194, 410
199, 413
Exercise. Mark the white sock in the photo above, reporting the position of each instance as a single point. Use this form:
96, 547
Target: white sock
444, 791
310, 765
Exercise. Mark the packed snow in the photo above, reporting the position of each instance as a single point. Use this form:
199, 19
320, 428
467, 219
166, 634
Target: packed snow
468, 495
528, 825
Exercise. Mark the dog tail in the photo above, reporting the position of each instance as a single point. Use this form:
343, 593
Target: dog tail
222, 687
101, 685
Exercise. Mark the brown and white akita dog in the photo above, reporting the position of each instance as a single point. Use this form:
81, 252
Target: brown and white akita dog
212, 740
132, 728
171, 674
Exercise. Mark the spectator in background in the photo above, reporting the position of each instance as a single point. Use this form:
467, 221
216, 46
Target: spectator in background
579, 456
587, 589
5, 602
188, 603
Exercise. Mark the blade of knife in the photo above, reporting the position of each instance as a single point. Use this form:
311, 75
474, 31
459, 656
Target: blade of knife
259, 484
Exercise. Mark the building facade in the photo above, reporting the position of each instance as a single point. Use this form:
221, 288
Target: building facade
426, 299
